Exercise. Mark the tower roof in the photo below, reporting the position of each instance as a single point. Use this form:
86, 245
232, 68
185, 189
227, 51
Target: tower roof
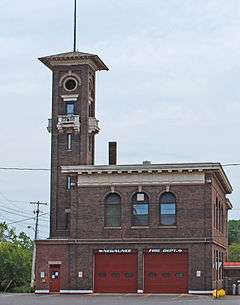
73, 58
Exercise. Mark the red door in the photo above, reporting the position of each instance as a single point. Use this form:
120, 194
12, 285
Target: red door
115, 272
54, 279
166, 272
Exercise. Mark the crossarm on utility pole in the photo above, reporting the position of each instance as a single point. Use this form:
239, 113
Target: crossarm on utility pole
38, 203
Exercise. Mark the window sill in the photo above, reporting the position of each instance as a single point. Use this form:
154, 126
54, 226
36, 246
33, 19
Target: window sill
140, 227
167, 227
113, 228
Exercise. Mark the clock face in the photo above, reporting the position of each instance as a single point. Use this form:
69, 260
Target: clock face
70, 84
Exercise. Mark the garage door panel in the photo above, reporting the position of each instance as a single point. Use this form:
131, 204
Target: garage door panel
115, 273
166, 273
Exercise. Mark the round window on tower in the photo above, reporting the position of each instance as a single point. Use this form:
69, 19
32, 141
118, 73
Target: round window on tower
70, 84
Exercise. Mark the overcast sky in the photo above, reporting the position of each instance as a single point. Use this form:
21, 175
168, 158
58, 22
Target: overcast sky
172, 93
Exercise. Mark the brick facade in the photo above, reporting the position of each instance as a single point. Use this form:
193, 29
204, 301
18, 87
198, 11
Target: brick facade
77, 228
79, 154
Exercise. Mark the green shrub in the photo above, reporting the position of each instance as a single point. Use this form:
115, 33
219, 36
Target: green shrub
22, 289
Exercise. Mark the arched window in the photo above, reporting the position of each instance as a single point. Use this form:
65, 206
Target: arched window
140, 209
167, 209
112, 210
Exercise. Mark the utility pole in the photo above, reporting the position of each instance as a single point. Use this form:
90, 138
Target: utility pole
38, 203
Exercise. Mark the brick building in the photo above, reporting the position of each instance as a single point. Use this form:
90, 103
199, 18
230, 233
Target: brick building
124, 228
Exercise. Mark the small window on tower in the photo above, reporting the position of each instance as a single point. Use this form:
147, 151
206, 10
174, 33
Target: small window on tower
69, 183
70, 108
70, 84
90, 143
69, 141
67, 218
90, 109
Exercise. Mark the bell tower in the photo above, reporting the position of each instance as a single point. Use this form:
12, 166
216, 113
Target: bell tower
73, 126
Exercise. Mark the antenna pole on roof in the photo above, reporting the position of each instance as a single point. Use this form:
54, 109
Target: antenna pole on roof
75, 27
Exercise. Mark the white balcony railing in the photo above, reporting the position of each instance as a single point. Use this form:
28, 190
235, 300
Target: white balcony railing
72, 122
93, 125
69, 121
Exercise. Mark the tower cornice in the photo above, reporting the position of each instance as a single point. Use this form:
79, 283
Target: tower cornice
74, 58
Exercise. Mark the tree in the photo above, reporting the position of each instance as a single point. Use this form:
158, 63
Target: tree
234, 240
234, 252
15, 258
234, 231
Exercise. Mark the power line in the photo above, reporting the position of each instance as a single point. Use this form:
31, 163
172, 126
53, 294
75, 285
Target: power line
24, 169
19, 215
231, 164
5, 219
44, 220
13, 213
16, 201
10, 200
14, 210
48, 169
3, 206
30, 218
23, 220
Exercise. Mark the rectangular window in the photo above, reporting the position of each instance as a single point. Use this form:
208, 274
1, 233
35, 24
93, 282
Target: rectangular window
112, 215
140, 214
90, 110
222, 219
70, 108
220, 265
69, 183
219, 216
167, 214
216, 213
214, 216
90, 143
67, 219
217, 265
69, 141
214, 264
222, 261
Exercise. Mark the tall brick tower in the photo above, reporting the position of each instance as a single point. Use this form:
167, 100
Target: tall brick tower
73, 127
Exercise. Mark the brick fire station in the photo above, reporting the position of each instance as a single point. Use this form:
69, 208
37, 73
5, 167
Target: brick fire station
142, 228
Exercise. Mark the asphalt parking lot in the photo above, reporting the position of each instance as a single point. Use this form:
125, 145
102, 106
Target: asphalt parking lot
128, 299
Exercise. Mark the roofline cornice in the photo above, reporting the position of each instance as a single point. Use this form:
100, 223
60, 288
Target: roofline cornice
54, 61
153, 168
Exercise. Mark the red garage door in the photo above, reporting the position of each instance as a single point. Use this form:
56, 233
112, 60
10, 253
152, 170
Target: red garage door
115, 272
166, 272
